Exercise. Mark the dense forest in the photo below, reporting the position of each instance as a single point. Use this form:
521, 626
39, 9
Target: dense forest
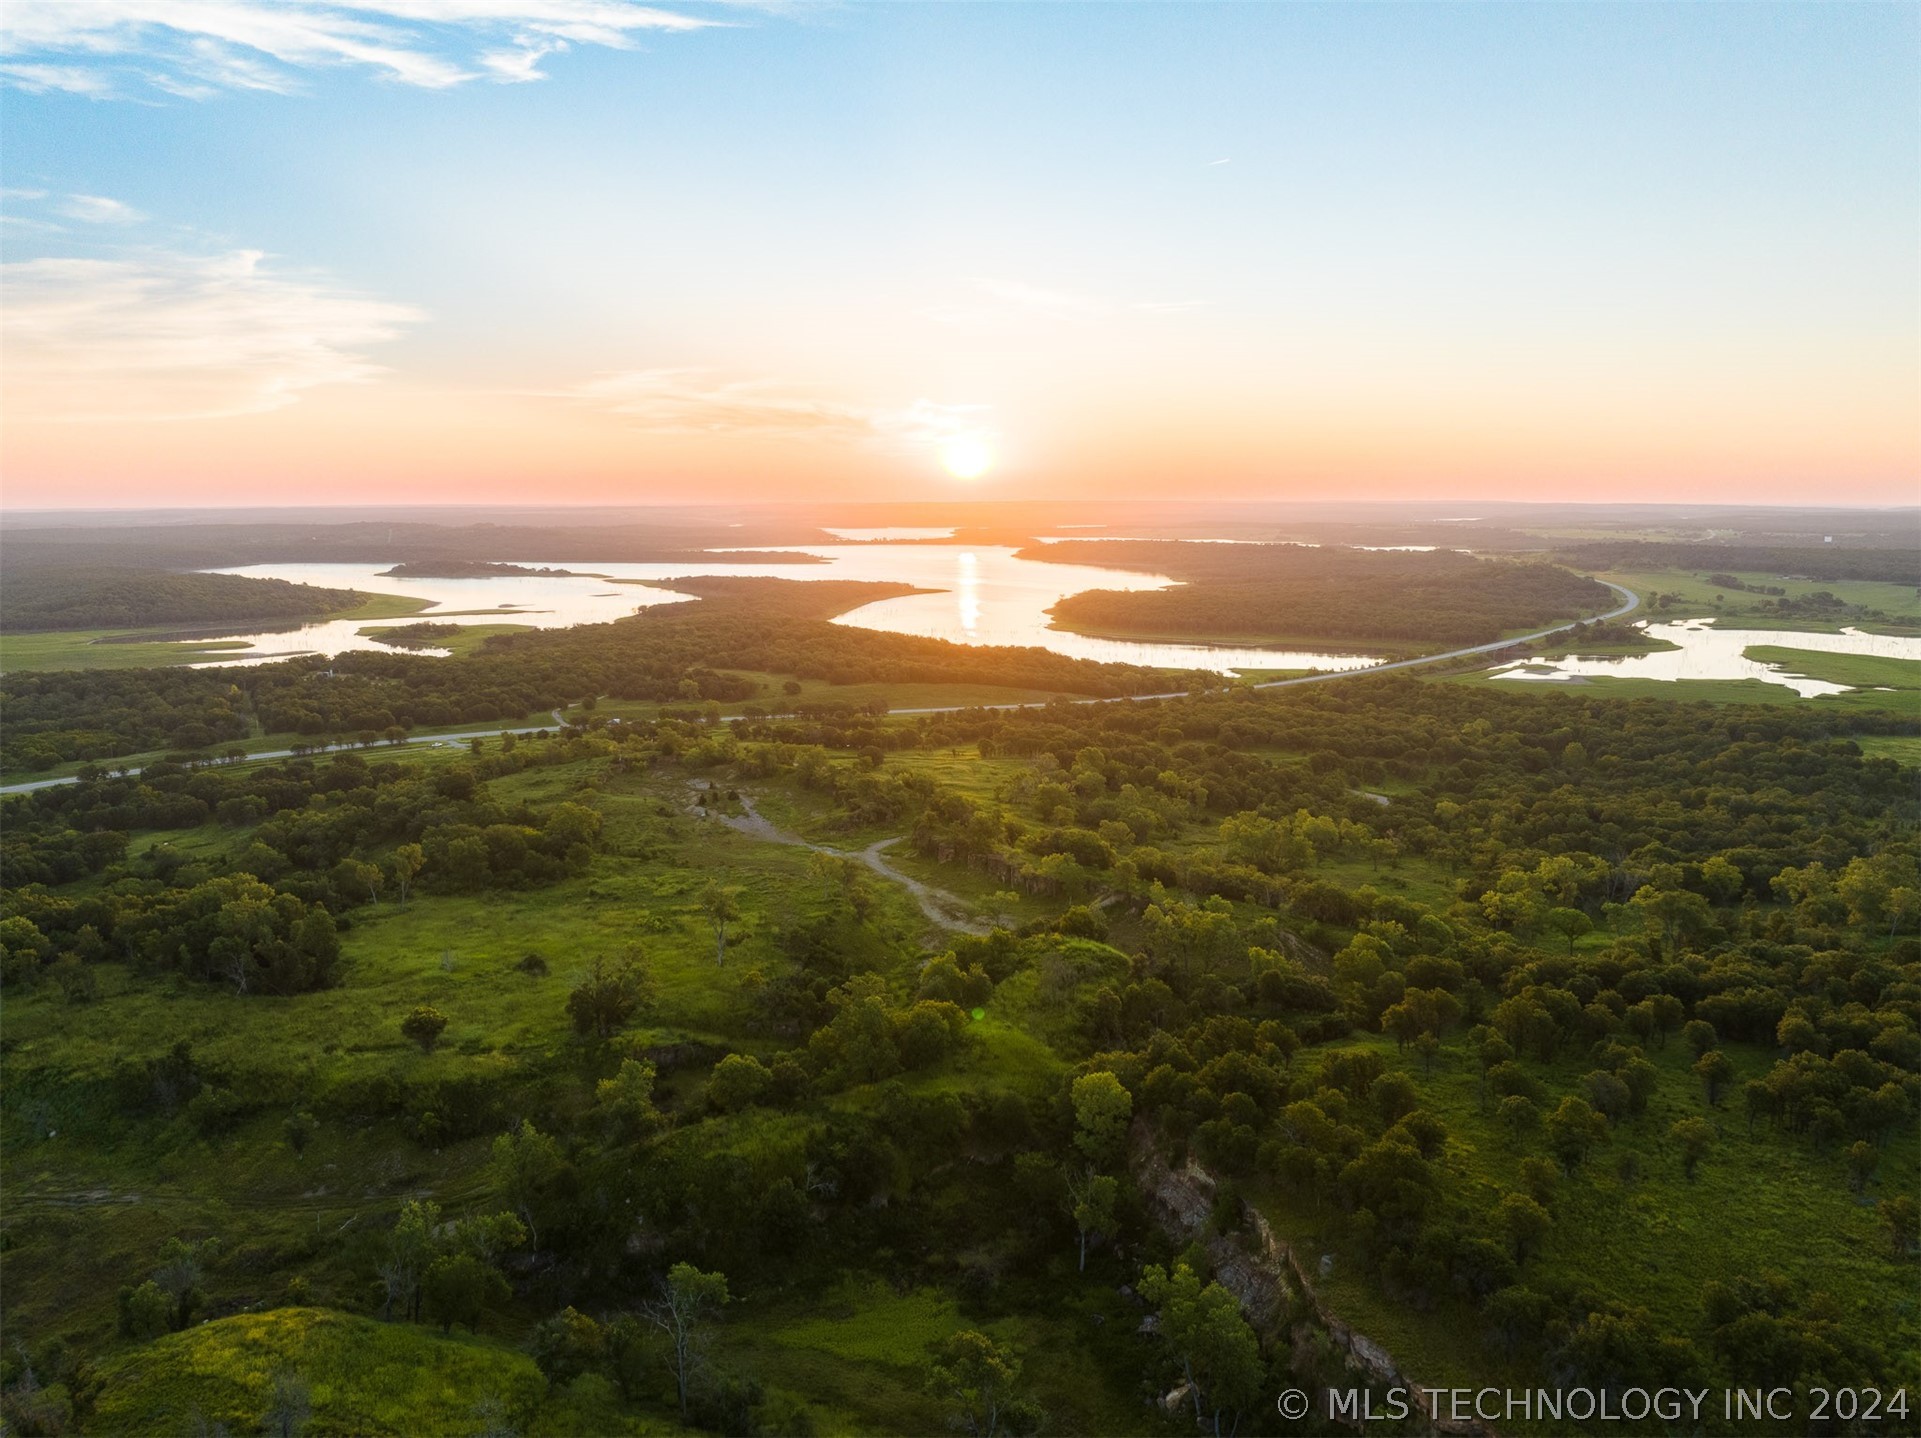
667, 652
1261, 591
663, 538
1803, 561
1585, 1032
48, 597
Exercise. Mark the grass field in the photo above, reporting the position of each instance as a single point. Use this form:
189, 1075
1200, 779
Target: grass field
1738, 609
774, 699
470, 638
1864, 671
1708, 691
1906, 748
164, 645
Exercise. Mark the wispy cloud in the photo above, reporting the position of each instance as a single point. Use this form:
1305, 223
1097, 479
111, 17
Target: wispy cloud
195, 48
99, 210
40, 79
176, 336
697, 401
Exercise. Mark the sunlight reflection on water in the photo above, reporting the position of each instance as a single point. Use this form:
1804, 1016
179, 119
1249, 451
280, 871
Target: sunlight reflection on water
984, 595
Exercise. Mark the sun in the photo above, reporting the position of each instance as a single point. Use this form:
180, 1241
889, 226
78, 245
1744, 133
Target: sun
967, 457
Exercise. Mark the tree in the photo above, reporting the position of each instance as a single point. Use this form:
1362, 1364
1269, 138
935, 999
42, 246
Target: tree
1901, 1216
524, 1162
720, 908
1091, 1200
1863, 1159
1573, 1129
182, 1270
1525, 1222
458, 1288
681, 1310
423, 1026
980, 1379
1427, 1048
1696, 1137
1518, 1113
567, 1345
1714, 1070
608, 997
1700, 1036
1102, 1111
737, 1082
1570, 924
1217, 1351
145, 1312
627, 1101
1539, 1178
410, 1250
408, 860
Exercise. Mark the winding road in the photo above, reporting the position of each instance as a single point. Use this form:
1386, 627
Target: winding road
1630, 601
941, 907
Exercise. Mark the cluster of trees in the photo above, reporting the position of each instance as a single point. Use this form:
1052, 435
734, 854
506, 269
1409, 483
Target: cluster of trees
325, 839
40, 598
1250, 591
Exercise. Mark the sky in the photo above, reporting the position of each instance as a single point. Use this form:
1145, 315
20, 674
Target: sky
501, 251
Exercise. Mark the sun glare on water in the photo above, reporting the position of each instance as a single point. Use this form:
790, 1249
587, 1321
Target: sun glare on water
967, 457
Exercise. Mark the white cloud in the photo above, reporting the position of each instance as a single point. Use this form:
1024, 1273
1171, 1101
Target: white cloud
195, 47
39, 79
177, 336
99, 210
695, 401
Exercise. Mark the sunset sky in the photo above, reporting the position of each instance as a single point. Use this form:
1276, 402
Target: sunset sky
277, 252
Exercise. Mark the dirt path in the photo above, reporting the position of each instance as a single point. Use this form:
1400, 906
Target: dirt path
947, 910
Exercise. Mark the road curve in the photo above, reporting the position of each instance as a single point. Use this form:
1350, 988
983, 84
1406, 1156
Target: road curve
1630, 602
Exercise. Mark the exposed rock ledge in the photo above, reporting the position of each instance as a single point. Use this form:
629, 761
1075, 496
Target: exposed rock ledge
1265, 1274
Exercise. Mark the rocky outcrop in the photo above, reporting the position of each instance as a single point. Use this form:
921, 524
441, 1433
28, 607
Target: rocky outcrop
1265, 1274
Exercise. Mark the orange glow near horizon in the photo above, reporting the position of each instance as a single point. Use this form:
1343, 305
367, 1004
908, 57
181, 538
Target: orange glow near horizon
394, 443
949, 251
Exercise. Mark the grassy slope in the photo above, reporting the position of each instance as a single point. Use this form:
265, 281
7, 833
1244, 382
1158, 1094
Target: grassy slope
364, 1378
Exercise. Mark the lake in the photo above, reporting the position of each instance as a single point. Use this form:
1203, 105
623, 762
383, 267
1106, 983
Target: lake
1706, 651
983, 595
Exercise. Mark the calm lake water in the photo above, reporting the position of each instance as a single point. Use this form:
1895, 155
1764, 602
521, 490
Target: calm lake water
1709, 652
983, 595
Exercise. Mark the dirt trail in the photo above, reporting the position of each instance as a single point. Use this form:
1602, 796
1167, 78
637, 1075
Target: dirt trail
942, 908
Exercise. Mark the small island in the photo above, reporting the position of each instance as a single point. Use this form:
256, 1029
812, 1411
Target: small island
472, 569
427, 634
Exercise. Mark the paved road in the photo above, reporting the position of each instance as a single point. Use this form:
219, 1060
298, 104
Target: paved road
1630, 602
